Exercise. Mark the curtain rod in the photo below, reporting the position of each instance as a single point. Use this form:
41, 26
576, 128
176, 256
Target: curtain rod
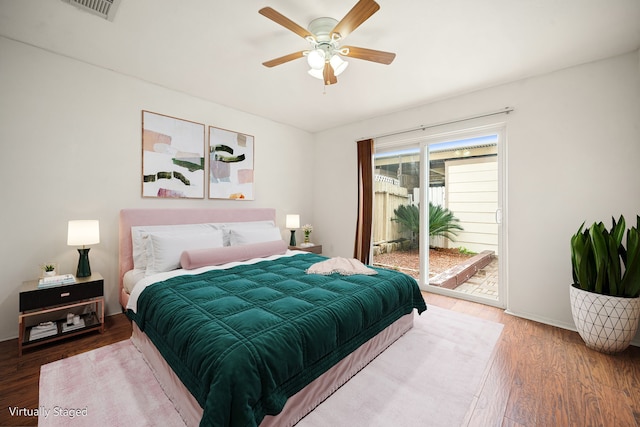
506, 110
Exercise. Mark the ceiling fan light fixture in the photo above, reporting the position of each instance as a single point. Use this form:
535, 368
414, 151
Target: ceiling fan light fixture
338, 64
316, 59
324, 36
316, 73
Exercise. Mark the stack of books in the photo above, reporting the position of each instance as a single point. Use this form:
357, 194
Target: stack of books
63, 279
43, 330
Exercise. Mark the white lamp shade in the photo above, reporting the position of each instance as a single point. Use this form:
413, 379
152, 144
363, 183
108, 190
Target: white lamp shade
318, 74
83, 232
316, 58
338, 64
293, 221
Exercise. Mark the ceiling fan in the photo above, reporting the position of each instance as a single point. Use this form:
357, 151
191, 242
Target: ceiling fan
325, 36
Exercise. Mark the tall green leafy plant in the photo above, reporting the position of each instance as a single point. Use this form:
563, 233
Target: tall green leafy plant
602, 263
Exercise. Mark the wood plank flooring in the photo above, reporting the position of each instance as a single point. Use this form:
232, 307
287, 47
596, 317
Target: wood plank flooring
19, 376
539, 375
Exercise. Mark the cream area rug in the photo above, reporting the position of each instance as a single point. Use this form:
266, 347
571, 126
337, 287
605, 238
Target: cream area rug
427, 378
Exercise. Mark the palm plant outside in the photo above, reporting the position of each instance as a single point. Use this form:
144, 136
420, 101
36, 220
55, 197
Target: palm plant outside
442, 222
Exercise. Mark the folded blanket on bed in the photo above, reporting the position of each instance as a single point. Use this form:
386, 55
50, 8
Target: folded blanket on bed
344, 266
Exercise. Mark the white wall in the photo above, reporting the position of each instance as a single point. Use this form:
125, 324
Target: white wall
70, 135
70, 139
573, 152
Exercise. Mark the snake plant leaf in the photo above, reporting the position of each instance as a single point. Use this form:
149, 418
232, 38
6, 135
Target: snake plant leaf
613, 271
585, 274
587, 270
617, 230
600, 255
578, 253
574, 258
631, 279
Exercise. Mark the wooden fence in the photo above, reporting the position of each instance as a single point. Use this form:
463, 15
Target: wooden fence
388, 196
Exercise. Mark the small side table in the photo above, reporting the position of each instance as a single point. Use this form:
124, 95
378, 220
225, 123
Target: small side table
53, 303
316, 249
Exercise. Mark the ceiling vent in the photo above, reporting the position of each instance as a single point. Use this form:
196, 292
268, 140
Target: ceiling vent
103, 8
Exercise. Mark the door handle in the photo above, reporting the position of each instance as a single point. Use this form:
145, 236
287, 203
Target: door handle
498, 216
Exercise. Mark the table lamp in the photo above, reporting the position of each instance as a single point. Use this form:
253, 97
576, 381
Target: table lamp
293, 222
81, 233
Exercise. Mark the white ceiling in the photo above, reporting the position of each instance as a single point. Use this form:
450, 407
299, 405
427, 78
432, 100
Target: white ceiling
214, 49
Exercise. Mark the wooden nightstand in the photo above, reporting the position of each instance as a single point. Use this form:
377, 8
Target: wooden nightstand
316, 249
52, 304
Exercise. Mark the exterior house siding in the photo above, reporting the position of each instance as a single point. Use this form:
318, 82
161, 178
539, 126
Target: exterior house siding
472, 196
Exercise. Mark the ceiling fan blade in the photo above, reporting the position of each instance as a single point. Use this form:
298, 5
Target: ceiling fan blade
329, 77
279, 18
283, 59
356, 16
370, 54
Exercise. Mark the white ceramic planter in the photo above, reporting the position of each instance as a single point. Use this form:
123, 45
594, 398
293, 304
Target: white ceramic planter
605, 323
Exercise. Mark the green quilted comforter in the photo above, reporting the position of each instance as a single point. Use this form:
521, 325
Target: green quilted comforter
243, 340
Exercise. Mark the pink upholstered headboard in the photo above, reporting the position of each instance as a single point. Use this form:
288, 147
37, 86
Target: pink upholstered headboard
134, 217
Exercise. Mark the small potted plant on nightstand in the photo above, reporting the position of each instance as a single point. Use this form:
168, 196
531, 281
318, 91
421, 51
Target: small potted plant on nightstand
307, 229
49, 269
605, 295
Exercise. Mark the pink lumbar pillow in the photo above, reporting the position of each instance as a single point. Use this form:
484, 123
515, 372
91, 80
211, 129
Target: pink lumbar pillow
196, 258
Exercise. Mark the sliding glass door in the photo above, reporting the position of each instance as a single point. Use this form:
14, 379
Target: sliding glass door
396, 219
438, 212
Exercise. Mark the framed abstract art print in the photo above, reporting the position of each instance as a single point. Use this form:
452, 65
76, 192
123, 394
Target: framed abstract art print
172, 157
230, 165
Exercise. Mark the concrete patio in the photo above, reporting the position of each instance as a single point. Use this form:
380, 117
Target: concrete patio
484, 283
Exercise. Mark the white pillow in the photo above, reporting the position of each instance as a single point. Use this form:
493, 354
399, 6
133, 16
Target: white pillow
139, 245
249, 225
164, 248
257, 235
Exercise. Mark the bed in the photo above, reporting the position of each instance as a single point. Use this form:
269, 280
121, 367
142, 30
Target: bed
288, 339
